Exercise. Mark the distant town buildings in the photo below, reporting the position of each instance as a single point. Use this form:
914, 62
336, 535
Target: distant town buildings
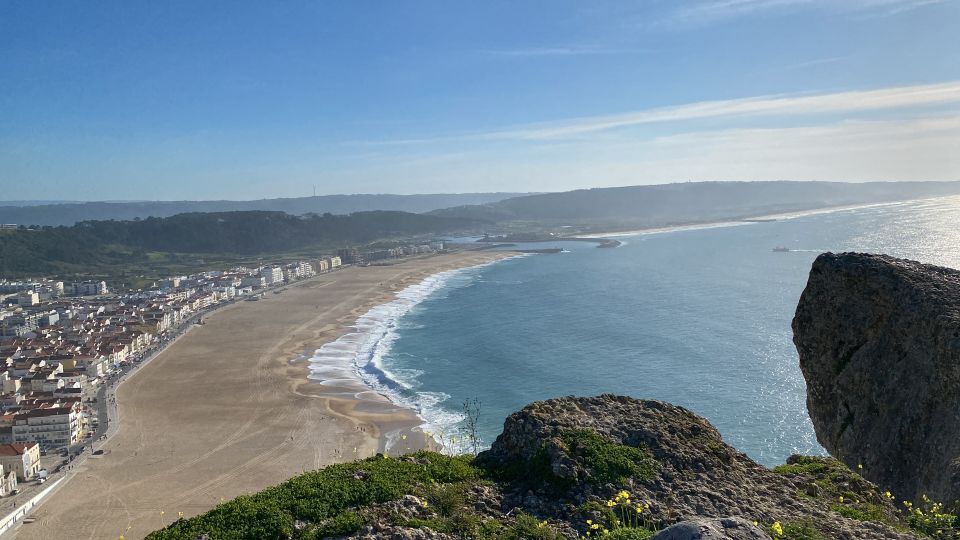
86, 288
272, 275
59, 341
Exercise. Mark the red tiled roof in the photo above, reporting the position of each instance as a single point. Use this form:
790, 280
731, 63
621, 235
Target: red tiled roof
17, 449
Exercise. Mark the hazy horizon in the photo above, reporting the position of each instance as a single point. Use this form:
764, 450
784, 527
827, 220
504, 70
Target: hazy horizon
37, 202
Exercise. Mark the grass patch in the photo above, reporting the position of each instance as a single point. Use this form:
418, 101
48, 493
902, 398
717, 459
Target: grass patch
862, 512
629, 534
810, 465
801, 530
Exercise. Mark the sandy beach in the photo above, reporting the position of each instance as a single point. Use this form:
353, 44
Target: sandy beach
228, 410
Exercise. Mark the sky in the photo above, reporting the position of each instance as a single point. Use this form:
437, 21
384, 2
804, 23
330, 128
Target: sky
130, 100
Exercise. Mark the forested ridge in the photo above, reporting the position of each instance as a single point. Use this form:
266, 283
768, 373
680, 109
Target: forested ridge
48, 249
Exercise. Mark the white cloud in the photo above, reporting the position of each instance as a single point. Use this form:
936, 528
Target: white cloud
536, 52
712, 11
908, 149
776, 105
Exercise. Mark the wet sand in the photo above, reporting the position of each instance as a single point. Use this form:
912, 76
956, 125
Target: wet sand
228, 410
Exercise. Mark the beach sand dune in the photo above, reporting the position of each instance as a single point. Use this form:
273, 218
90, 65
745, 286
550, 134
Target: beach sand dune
227, 410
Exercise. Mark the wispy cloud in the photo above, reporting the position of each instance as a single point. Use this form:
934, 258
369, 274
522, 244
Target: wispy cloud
925, 148
537, 52
810, 63
713, 11
889, 8
776, 105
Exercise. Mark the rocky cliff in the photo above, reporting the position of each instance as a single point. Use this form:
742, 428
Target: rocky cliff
879, 345
600, 467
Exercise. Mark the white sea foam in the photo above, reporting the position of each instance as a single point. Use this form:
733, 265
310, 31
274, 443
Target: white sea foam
355, 361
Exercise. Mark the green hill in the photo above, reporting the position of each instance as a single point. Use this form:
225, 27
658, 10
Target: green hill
68, 213
95, 244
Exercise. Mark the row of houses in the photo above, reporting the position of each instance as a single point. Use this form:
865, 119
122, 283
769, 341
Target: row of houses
46, 288
56, 348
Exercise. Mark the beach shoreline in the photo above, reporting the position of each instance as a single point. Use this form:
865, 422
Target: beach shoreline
229, 409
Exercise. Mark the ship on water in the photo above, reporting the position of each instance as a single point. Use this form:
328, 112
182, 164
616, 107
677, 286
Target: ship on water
781, 249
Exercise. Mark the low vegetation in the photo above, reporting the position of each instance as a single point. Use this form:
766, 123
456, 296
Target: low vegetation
848, 494
325, 500
462, 496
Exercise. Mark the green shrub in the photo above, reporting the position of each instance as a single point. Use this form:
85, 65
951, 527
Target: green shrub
809, 465
930, 518
862, 512
527, 527
341, 524
324, 498
446, 499
608, 462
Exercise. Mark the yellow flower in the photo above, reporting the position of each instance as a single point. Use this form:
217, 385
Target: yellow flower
777, 528
888, 495
611, 504
841, 498
589, 521
860, 466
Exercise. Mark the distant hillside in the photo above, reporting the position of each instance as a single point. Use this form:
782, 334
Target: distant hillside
34, 213
695, 201
97, 244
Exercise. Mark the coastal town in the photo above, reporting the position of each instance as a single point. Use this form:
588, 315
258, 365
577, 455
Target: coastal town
65, 346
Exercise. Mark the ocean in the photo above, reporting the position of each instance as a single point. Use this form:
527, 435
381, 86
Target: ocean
699, 317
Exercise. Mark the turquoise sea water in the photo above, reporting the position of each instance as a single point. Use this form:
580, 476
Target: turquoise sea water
700, 318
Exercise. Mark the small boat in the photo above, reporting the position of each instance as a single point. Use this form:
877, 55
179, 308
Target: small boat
781, 249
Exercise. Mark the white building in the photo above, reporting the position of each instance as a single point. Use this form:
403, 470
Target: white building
272, 275
89, 288
255, 282
305, 269
28, 298
51, 427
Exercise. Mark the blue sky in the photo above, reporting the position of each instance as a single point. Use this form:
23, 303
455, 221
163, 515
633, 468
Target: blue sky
234, 100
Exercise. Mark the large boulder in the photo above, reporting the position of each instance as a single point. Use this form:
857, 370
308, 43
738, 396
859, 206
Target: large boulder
879, 345
674, 461
713, 529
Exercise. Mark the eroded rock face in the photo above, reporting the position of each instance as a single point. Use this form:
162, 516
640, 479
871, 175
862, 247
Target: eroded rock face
879, 345
697, 476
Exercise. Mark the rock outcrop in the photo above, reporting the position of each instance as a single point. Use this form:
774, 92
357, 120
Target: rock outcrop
691, 472
712, 529
571, 468
879, 345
